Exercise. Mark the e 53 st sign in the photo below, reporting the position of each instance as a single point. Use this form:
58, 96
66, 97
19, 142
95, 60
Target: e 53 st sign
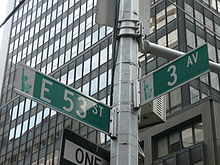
62, 98
174, 74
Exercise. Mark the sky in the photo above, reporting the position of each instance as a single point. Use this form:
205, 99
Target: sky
3, 7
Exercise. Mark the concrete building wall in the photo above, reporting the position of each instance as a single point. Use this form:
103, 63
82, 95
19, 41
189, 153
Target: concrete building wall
208, 110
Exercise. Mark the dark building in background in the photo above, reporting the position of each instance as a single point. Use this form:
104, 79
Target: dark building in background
191, 134
60, 38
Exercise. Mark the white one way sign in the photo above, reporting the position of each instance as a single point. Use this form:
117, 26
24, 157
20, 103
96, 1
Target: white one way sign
78, 151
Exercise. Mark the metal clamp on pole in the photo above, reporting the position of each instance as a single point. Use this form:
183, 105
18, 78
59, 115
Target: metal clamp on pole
126, 25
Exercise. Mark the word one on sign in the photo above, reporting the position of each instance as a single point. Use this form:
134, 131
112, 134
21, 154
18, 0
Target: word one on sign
62, 98
174, 74
77, 150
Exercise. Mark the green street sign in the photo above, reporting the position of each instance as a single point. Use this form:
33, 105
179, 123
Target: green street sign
174, 74
62, 98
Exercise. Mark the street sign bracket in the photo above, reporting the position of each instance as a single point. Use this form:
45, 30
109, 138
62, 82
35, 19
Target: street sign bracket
113, 123
136, 94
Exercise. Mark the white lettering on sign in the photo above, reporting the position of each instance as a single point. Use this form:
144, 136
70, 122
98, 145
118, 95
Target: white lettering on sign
192, 60
84, 157
97, 109
173, 74
68, 99
44, 89
82, 112
78, 155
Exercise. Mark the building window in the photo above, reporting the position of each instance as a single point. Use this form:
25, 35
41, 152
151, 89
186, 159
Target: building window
32, 122
14, 112
86, 67
21, 108
94, 86
86, 89
187, 137
18, 131
102, 81
162, 147
71, 77
12, 133
179, 139
76, 14
95, 61
78, 72
25, 126
174, 142
103, 56
194, 94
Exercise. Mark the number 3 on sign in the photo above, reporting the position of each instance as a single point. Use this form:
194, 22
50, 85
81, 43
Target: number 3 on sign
173, 74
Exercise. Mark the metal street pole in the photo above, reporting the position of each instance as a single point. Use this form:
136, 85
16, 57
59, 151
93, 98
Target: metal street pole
124, 148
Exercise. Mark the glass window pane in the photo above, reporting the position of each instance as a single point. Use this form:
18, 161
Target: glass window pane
95, 61
190, 38
63, 78
175, 97
94, 86
14, 112
39, 117
160, 19
32, 122
67, 56
74, 50
33, 104
21, 108
162, 147
61, 59
174, 142
86, 89
187, 137
109, 76
25, 126
86, 67
53, 113
76, 14
18, 131
103, 56
27, 105
102, 32
46, 112
102, 81
194, 95
71, 77
83, 9
198, 128
214, 80
12, 133
81, 46
78, 72
95, 37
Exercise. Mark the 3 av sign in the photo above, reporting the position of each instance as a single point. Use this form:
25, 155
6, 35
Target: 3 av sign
62, 98
174, 74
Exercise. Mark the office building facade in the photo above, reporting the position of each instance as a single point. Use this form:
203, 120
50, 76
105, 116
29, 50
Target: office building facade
190, 135
60, 38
